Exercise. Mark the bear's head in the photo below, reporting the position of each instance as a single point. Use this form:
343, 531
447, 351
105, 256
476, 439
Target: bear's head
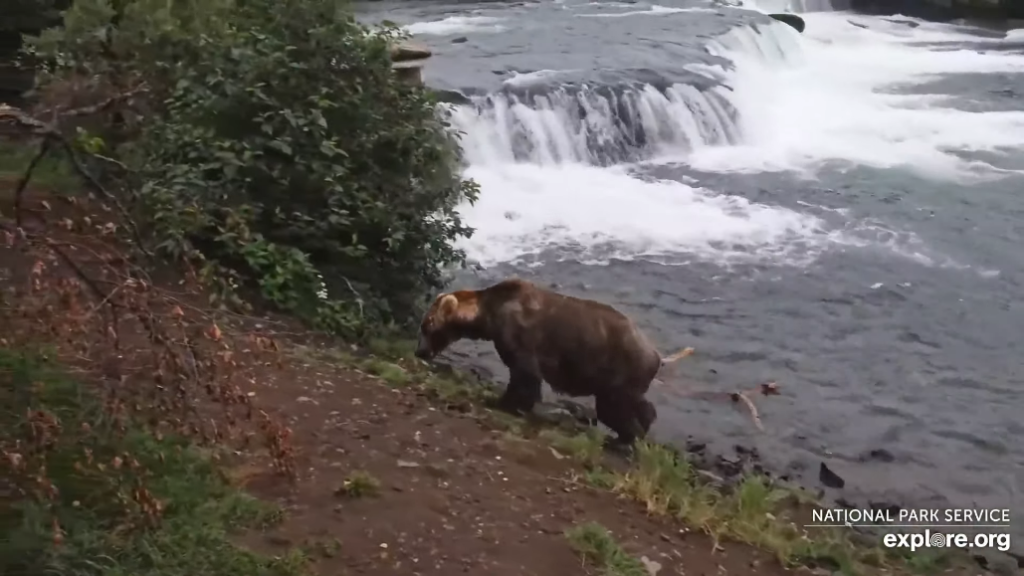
447, 320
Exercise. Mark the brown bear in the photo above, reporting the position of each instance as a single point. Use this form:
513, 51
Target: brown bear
580, 347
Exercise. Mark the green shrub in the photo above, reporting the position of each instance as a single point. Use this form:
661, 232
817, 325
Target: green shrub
281, 151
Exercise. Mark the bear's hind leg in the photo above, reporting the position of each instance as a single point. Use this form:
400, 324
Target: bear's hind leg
628, 416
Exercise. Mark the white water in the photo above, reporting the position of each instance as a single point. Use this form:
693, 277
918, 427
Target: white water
824, 97
802, 100
456, 24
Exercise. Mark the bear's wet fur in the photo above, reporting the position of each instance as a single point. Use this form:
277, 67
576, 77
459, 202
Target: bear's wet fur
579, 347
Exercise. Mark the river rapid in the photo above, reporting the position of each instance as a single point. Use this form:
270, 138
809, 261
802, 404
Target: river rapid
840, 211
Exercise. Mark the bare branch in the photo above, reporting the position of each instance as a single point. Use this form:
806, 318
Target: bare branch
52, 134
19, 192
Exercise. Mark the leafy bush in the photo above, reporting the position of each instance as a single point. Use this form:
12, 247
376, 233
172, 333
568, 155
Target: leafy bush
281, 151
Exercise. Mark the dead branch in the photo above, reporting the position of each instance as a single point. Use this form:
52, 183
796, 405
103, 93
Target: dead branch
50, 134
19, 192
104, 105
742, 397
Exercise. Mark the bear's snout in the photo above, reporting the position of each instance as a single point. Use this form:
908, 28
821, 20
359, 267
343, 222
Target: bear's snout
423, 349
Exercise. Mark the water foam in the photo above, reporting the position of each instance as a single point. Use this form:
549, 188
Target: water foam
828, 95
654, 10
592, 215
455, 25
546, 164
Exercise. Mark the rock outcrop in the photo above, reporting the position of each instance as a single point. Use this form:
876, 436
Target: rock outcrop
944, 10
792, 19
408, 59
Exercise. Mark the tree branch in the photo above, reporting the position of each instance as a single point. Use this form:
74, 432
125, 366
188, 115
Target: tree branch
19, 192
52, 134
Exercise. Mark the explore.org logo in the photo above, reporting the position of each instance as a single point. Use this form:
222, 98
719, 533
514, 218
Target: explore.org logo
939, 528
930, 539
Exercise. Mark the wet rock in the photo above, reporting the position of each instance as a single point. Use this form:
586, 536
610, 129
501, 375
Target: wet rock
728, 466
908, 23
792, 19
844, 503
892, 509
451, 97
878, 455
460, 40
999, 564
858, 25
747, 451
694, 446
829, 478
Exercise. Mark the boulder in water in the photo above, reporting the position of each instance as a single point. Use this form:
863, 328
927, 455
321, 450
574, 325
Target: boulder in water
792, 19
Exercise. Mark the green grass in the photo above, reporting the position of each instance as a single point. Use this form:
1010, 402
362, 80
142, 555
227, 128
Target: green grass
102, 536
598, 547
54, 172
759, 513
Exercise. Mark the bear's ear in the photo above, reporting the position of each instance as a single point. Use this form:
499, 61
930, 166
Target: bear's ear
447, 306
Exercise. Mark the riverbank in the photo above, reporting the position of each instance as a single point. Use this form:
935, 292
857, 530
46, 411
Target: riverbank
370, 462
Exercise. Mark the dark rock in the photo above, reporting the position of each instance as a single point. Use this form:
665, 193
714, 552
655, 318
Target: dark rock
728, 466
829, 478
937, 11
908, 23
892, 509
451, 97
864, 26
879, 454
792, 19
460, 40
694, 446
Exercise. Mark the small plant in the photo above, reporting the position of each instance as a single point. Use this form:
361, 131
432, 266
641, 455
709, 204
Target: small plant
600, 478
586, 447
598, 547
359, 484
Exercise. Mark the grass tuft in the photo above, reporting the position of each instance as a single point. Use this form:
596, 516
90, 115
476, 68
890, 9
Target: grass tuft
359, 484
597, 546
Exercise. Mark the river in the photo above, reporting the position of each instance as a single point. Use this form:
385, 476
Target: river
840, 211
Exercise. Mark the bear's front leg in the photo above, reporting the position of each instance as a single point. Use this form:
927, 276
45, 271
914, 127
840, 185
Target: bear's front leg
522, 393
524, 382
